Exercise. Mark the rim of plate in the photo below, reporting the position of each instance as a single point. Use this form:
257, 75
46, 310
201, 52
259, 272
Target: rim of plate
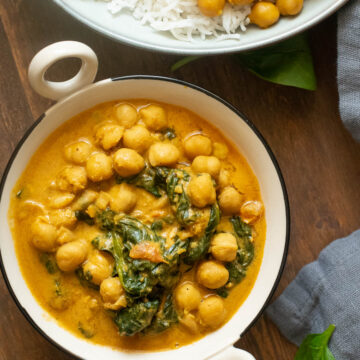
206, 51
208, 93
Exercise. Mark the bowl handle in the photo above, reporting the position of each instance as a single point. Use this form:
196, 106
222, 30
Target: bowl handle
53, 53
232, 353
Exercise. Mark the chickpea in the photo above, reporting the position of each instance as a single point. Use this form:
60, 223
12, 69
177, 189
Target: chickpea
109, 135
85, 199
128, 162
72, 179
43, 234
211, 8
220, 150
77, 152
112, 293
63, 217
206, 164
98, 267
187, 296
201, 191
230, 200
212, 311
264, 14
103, 200
64, 236
197, 145
189, 322
122, 198
154, 117
289, 7
137, 138
163, 154
251, 211
224, 178
212, 274
60, 200
241, 2
224, 246
127, 115
99, 167
72, 254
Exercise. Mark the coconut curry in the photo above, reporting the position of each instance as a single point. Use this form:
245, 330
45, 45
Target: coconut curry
138, 225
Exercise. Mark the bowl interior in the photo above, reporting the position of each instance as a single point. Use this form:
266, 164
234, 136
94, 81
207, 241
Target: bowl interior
125, 28
235, 128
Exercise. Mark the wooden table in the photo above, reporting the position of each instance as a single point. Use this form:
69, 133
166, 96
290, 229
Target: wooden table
319, 159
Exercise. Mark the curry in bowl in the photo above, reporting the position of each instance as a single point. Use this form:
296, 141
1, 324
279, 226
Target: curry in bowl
138, 225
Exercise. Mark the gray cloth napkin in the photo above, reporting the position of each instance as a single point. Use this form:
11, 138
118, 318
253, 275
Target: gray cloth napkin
325, 292
348, 66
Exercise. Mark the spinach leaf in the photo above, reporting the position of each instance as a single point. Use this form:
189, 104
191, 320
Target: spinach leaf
177, 181
81, 215
49, 262
135, 279
157, 225
104, 243
86, 333
169, 133
244, 255
152, 179
199, 246
184, 61
165, 317
286, 63
85, 279
136, 318
314, 346
105, 220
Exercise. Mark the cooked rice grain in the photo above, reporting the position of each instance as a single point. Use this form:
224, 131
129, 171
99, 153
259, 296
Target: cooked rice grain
184, 19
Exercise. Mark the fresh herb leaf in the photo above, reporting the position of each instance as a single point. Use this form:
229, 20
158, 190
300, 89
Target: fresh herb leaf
86, 333
314, 346
49, 262
183, 62
157, 225
81, 215
136, 318
286, 63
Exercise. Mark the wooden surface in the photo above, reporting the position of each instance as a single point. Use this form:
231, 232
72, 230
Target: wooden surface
319, 160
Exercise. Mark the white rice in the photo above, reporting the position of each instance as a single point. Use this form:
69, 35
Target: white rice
184, 19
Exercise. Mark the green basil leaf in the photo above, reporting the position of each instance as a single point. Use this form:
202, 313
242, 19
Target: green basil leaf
314, 346
286, 63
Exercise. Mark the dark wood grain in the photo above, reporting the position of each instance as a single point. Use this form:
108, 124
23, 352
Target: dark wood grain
319, 159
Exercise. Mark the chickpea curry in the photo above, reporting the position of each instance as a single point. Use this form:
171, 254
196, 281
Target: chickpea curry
138, 225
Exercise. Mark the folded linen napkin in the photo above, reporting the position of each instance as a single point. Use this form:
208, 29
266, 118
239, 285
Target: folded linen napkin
348, 40
325, 292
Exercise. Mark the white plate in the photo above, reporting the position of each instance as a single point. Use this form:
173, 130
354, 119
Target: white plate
123, 27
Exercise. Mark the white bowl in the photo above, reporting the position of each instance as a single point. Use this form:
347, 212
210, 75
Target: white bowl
209, 106
123, 27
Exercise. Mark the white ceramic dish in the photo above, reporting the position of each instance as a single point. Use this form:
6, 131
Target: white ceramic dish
123, 27
217, 345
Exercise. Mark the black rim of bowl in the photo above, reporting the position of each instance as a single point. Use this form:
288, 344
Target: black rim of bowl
208, 93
